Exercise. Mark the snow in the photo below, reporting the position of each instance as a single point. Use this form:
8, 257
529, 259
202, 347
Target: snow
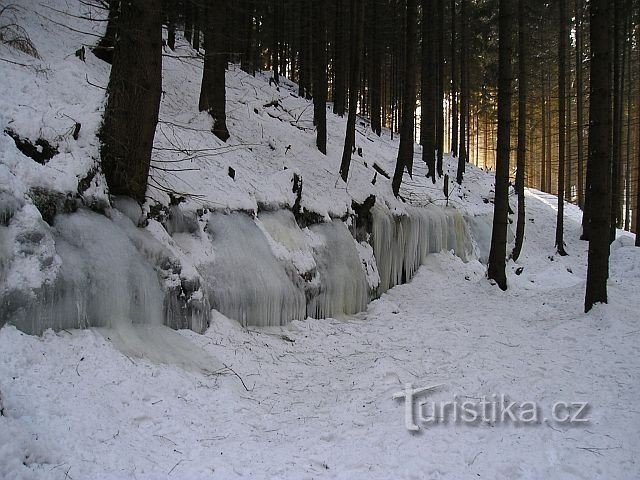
272, 394
319, 400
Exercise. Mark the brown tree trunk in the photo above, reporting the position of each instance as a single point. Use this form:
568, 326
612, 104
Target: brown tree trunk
320, 74
428, 94
599, 166
522, 128
357, 21
133, 101
405, 151
213, 91
562, 123
497, 255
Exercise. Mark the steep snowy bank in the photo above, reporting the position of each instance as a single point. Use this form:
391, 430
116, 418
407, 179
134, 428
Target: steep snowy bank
202, 245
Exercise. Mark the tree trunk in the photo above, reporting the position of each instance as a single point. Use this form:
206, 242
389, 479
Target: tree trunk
320, 74
428, 94
562, 123
213, 91
440, 96
497, 256
105, 47
357, 21
462, 150
580, 103
375, 70
340, 63
171, 23
133, 101
522, 126
405, 151
599, 166
616, 202
454, 83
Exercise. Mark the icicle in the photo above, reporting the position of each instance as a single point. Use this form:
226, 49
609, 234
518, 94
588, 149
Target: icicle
401, 243
246, 282
343, 283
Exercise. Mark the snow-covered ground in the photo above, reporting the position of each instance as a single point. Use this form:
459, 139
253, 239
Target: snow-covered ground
313, 399
318, 397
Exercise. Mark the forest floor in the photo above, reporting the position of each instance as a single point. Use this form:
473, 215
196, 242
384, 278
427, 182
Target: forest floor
315, 399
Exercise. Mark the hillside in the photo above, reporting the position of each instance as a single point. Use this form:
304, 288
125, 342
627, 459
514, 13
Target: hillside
297, 309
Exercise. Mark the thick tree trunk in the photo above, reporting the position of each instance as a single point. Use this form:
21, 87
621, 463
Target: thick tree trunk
105, 47
580, 103
340, 62
440, 96
357, 21
405, 151
462, 148
562, 123
497, 255
454, 83
133, 101
213, 91
428, 94
616, 201
599, 166
375, 70
522, 128
320, 74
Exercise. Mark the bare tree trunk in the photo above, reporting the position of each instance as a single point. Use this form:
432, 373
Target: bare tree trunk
405, 151
320, 74
599, 167
133, 101
428, 95
462, 150
213, 91
454, 83
580, 102
105, 47
440, 94
497, 255
522, 128
562, 123
357, 21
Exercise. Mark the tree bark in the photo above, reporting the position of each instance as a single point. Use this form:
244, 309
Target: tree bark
497, 255
428, 94
522, 128
105, 47
320, 74
599, 166
357, 21
562, 123
454, 83
462, 148
580, 103
213, 90
133, 102
405, 151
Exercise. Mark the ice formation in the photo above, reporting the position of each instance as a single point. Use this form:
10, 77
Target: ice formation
102, 280
402, 242
343, 283
245, 280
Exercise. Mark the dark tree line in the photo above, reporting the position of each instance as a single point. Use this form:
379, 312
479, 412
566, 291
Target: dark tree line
444, 68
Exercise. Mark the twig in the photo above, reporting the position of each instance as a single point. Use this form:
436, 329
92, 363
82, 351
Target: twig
236, 374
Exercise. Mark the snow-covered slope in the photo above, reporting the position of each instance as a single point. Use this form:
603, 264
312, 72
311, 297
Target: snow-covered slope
312, 399
271, 151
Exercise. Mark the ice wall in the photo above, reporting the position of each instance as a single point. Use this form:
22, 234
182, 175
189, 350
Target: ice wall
245, 280
402, 242
343, 282
102, 280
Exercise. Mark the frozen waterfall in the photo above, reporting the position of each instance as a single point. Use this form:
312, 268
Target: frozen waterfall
402, 242
101, 278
